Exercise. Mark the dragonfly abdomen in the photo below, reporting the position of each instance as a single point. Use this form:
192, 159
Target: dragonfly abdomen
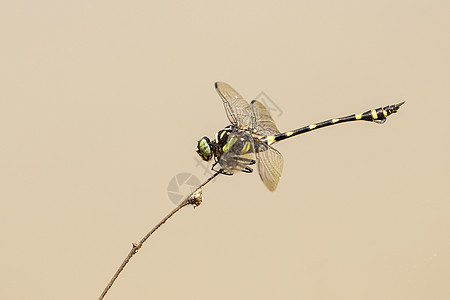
378, 115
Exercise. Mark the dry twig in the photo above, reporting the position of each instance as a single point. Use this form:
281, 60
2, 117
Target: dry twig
195, 199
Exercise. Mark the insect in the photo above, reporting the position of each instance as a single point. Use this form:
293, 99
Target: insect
249, 138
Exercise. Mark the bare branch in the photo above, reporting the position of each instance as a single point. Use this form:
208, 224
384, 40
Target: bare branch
195, 199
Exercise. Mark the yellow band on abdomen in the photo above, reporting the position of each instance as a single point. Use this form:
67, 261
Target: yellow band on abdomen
374, 114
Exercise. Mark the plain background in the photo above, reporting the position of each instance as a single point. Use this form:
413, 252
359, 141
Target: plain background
102, 103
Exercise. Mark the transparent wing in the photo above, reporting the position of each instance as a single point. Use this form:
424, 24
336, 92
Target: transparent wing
270, 166
238, 110
262, 122
239, 152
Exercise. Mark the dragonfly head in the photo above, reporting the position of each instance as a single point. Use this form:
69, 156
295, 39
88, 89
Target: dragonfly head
204, 148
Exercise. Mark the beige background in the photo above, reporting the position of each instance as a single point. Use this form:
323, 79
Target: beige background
102, 103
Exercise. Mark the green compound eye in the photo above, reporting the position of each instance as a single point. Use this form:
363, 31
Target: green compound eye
204, 148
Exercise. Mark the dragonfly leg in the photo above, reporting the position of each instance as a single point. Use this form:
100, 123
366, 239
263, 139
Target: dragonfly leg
243, 164
221, 171
224, 172
247, 170
246, 161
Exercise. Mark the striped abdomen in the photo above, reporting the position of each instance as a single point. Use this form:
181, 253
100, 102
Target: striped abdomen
378, 115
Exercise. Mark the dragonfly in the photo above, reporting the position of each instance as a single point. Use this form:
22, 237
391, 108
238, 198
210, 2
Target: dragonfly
249, 138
